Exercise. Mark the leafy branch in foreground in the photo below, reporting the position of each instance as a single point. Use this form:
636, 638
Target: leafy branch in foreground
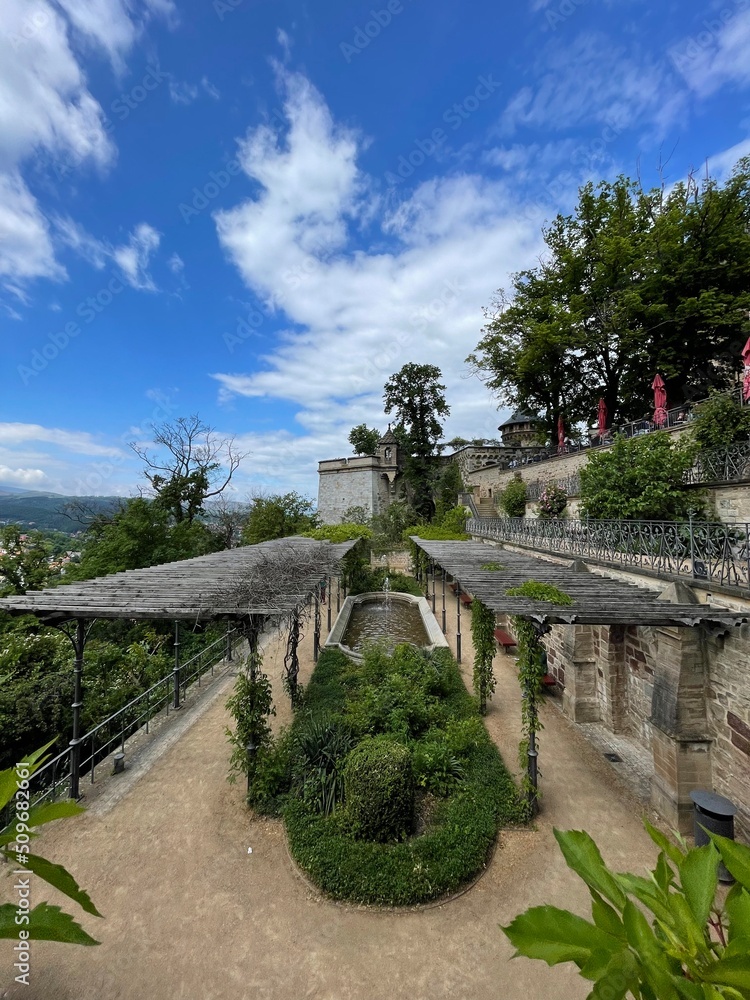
685, 946
44, 922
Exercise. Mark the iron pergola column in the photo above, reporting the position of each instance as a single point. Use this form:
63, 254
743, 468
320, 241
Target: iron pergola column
433, 586
176, 668
443, 602
79, 644
458, 622
316, 630
328, 598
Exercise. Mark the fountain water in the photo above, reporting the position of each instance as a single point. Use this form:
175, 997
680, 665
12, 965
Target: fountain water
387, 603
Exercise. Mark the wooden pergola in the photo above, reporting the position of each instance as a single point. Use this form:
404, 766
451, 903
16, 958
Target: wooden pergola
249, 586
597, 600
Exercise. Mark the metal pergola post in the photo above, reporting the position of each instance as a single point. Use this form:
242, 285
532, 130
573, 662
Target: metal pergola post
458, 622
433, 586
443, 602
229, 655
338, 594
176, 668
316, 632
328, 598
79, 644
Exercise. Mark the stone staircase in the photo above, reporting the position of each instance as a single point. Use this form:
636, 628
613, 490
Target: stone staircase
486, 508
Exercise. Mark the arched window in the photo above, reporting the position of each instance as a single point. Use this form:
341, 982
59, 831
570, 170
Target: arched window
387, 454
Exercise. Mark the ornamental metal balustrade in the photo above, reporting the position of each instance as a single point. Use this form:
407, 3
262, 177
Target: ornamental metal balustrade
721, 465
571, 485
699, 550
52, 780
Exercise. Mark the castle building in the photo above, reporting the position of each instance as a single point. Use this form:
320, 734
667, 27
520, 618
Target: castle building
367, 481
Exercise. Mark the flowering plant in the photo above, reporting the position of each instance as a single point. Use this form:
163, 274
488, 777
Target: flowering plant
552, 501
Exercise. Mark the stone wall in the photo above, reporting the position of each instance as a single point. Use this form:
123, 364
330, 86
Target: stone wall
731, 502
348, 484
728, 696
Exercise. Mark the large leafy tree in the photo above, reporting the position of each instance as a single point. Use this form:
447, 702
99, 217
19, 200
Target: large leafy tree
633, 282
639, 479
190, 465
417, 397
24, 560
364, 439
278, 516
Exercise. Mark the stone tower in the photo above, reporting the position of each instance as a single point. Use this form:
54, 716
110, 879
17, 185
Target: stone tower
368, 481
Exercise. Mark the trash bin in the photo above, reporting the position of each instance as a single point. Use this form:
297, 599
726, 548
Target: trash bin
713, 813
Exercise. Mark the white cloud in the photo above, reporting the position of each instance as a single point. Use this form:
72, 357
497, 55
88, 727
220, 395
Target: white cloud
79, 442
591, 80
176, 264
133, 258
210, 89
48, 115
22, 477
181, 92
721, 164
356, 316
718, 54
25, 245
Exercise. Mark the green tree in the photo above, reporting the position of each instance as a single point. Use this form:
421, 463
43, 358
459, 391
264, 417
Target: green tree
44, 922
364, 440
449, 485
278, 516
417, 397
24, 560
634, 282
719, 422
666, 937
513, 497
141, 533
639, 478
191, 465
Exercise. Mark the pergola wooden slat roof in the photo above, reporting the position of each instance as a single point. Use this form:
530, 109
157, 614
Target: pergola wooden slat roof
271, 578
597, 600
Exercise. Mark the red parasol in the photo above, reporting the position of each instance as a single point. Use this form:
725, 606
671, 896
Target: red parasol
660, 401
746, 379
560, 435
602, 416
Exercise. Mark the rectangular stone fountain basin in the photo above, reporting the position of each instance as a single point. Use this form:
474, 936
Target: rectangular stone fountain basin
365, 618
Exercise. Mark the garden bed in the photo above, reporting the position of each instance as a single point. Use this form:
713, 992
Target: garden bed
390, 787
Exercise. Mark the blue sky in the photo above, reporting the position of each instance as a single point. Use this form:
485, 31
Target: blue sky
258, 211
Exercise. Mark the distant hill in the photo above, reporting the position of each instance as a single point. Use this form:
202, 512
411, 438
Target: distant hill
44, 511
8, 489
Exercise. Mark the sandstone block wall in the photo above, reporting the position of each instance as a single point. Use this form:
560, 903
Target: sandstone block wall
348, 486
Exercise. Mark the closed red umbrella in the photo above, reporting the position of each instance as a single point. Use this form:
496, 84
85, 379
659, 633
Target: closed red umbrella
560, 435
746, 379
660, 401
602, 416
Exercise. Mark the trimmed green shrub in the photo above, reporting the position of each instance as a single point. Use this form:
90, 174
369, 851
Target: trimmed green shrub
379, 784
272, 776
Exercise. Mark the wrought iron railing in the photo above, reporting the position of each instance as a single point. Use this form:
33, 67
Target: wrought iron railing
721, 465
52, 780
700, 550
467, 499
571, 485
